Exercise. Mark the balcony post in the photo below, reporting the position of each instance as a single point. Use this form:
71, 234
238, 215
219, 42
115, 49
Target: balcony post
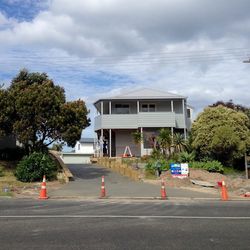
138, 107
101, 143
172, 106
184, 117
142, 144
102, 108
110, 141
110, 108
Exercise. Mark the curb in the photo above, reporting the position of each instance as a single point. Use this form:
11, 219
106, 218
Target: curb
142, 198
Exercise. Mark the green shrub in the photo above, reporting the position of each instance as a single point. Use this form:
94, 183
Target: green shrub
186, 157
153, 165
156, 154
211, 166
33, 167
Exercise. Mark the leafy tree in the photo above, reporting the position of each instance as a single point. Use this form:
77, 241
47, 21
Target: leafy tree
6, 110
40, 114
236, 107
221, 133
57, 147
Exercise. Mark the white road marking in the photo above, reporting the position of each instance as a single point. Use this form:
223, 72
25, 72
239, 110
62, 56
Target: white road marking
128, 216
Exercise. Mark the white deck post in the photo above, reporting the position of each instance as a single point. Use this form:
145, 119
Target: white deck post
110, 108
110, 141
142, 146
101, 108
101, 143
172, 129
184, 116
172, 106
138, 107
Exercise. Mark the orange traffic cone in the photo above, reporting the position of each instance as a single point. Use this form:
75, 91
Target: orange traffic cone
163, 190
43, 192
224, 195
103, 191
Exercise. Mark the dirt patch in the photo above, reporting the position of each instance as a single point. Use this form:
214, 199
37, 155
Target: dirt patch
236, 184
33, 190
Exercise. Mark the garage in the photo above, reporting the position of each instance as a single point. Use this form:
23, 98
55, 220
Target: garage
74, 158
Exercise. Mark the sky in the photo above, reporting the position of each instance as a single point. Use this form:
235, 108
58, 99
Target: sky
98, 48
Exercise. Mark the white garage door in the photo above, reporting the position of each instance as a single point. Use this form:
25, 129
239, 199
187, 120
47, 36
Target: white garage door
71, 158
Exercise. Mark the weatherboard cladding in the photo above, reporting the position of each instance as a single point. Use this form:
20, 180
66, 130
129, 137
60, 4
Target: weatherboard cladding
134, 121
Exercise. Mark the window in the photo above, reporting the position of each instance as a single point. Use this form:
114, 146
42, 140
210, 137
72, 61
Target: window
188, 113
148, 108
122, 108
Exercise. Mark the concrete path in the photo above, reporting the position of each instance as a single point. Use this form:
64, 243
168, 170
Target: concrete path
87, 183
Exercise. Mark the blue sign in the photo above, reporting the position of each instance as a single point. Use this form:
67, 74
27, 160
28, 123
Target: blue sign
179, 170
175, 168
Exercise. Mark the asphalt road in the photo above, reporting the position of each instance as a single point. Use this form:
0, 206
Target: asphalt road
88, 184
123, 224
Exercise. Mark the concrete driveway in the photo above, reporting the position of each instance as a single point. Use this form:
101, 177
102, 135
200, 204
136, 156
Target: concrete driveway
87, 183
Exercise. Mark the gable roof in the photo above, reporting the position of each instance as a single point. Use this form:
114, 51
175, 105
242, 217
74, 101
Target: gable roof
144, 93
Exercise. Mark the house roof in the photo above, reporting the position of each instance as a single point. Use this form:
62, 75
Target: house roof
144, 93
87, 140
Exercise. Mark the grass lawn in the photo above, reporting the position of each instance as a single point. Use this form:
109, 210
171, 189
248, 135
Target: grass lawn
8, 182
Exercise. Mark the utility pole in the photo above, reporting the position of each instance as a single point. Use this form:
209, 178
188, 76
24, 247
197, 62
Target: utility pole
246, 162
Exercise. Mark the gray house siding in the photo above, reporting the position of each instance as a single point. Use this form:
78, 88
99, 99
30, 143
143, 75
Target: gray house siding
141, 110
180, 121
156, 119
124, 138
133, 121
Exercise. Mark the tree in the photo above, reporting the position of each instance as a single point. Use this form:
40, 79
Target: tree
165, 140
57, 147
6, 110
221, 133
40, 114
236, 107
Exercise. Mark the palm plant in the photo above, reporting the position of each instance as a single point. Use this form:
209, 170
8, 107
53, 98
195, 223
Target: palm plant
179, 142
165, 140
186, 157
137, 138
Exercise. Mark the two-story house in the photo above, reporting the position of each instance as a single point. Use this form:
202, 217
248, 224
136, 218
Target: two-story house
143, 110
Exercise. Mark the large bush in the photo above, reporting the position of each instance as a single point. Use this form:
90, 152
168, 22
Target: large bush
33, 167
222, 134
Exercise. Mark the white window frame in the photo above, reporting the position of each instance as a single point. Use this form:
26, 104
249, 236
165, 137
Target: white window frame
129, 108
148, 107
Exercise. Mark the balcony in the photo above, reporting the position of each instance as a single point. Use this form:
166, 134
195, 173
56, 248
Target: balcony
134, 121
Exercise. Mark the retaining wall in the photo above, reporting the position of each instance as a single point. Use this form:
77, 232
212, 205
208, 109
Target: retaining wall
116, 165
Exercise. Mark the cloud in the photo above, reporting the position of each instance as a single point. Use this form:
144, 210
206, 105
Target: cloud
96, 48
